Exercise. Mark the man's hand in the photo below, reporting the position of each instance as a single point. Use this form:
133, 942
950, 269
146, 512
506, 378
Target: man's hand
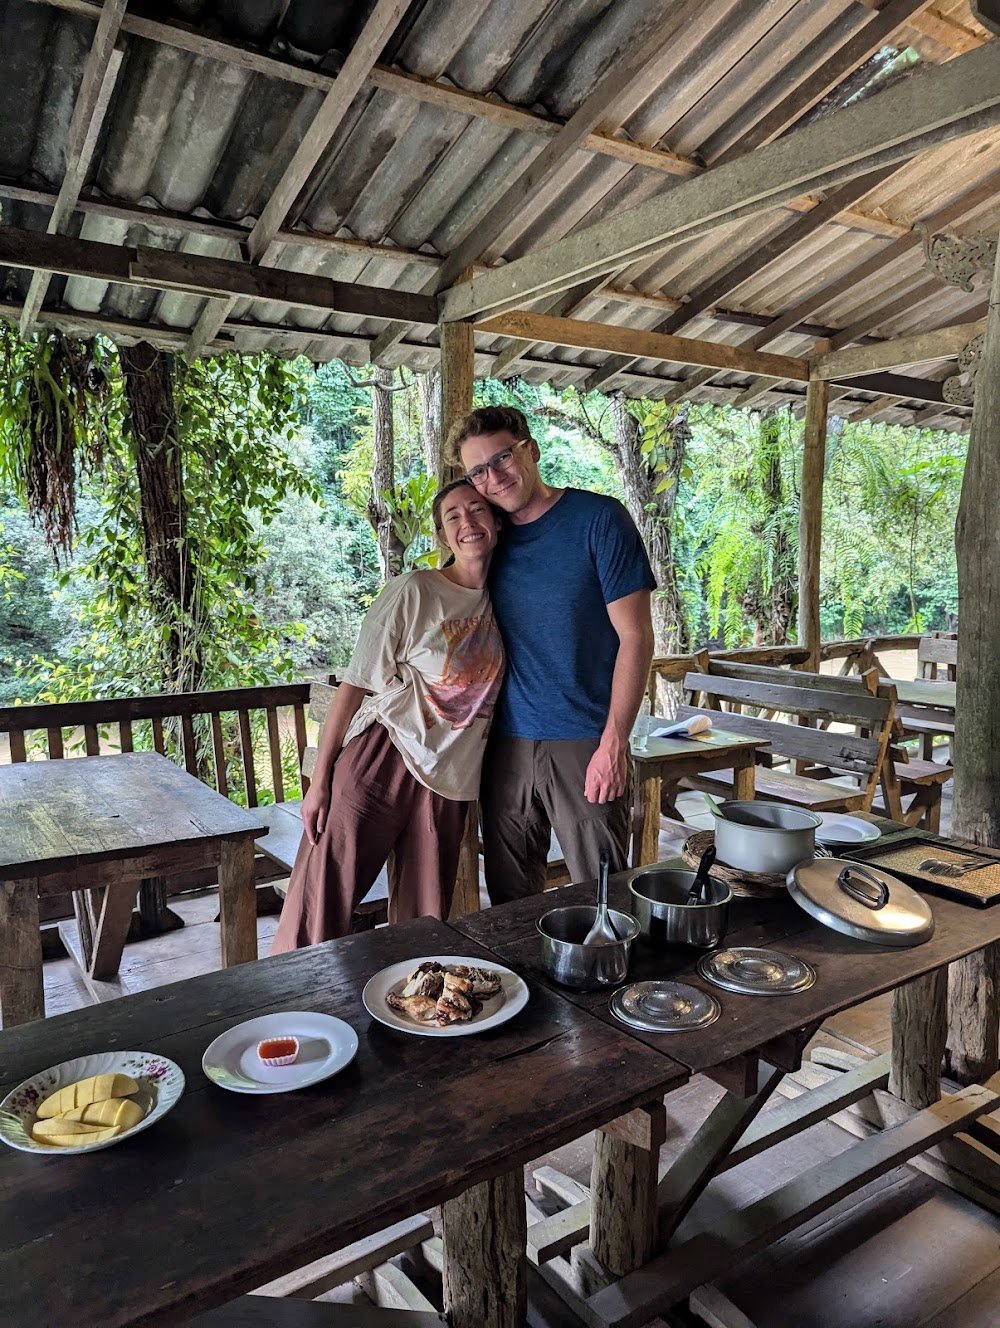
315, 809
607, 773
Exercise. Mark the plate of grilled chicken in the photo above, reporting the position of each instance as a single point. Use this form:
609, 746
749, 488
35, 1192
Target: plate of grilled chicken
444, 996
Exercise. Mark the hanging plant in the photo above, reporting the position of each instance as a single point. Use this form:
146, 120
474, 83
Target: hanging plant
53, 423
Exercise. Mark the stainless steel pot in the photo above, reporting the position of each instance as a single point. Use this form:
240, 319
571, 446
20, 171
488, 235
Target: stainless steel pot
659, 901
587, 967
765, 837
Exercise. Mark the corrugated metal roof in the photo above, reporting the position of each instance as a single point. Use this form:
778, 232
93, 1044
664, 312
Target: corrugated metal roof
208, 138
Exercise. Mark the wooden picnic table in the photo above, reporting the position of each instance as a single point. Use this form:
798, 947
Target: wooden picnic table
922, 694
753, 1043
666, 761
98, 826
229, 1191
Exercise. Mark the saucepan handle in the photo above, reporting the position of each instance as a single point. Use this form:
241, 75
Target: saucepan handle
857, 889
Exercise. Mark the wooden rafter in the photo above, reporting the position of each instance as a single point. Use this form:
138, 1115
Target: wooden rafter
100, 74
641, 345
941, 344
635, 70
933, 106
380, 25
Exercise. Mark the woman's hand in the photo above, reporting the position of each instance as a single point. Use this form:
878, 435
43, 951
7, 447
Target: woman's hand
315, 809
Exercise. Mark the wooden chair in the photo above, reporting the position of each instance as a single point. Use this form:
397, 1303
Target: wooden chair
862, 754
902, 776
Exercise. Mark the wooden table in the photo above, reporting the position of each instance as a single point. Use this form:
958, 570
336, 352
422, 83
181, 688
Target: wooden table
229, 1191
98, 825
748, 1050
924, 694
668, 761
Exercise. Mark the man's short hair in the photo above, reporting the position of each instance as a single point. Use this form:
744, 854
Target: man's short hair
485, 419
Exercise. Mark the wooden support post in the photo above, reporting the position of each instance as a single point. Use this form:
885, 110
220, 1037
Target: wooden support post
485, 1233
919, 1028
974, 1016
623, 1219
238, 902
646, 818
458, 355
466, 896
811, 513
22, 993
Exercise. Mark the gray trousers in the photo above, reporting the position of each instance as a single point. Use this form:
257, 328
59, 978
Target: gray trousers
530, 788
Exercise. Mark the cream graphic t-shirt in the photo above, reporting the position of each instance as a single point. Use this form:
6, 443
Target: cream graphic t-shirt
431, 653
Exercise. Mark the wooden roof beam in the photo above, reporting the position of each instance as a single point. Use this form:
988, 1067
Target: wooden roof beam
100, 73
220, 278
942, 344
640, 345
931, 107
378, 28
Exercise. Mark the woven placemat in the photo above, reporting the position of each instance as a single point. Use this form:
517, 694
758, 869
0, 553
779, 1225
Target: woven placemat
973, 884
751, 885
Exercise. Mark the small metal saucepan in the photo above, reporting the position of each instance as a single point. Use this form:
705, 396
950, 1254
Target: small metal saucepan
765, 837
587, 967
659, 901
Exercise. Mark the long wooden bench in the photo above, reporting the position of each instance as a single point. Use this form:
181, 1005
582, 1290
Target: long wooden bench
900, 776
861, 754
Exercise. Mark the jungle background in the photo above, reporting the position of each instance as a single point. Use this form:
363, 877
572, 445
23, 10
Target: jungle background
290, 492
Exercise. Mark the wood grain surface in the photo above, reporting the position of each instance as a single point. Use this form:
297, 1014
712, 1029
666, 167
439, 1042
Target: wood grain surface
230, 1191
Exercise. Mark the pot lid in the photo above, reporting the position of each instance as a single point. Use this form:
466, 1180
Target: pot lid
754, 972
664, 1007
861, 901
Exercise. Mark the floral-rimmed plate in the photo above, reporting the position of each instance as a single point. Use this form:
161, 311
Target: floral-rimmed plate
160, 1081
509, 1000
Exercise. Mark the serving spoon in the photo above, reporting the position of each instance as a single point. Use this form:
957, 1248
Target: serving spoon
603, 931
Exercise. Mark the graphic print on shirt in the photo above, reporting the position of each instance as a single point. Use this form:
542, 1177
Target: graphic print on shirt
473, 667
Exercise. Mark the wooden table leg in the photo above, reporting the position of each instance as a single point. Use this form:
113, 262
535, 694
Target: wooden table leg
237, 902
22, 992
155, 917
623, 1215
974, 1016
919, 1032
112, 930
646, 819
744, 777
484, 1232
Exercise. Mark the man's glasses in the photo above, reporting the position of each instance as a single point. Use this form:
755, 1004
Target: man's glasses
501, 461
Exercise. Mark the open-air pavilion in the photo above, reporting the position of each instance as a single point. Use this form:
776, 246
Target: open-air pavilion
722, 201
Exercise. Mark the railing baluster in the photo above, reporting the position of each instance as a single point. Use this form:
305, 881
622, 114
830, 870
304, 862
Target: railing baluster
91, 740
274, 745
125, 735
219, 748
190, 747
18, 750
246, 743
158, 742
301, 741
56, 750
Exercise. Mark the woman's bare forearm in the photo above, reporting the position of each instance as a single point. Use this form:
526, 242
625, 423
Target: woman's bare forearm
344, 706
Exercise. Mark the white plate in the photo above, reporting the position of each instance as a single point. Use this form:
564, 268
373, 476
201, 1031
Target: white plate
326, 1045
160, 1081
512, 997
840, 829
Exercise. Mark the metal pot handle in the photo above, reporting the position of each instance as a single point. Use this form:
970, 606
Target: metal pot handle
856, 889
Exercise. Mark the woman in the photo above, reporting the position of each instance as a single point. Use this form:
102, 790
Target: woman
402, 746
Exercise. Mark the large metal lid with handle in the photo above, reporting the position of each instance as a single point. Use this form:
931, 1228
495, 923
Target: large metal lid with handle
861, 901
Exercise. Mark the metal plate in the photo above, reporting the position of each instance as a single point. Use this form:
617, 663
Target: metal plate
753, 972
664, 1007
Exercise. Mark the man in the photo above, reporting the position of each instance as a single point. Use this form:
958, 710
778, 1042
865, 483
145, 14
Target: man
571, 586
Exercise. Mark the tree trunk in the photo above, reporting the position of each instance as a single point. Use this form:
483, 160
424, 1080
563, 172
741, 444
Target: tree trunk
653, 513
390, 548
429, 387
972, 1045
149, 393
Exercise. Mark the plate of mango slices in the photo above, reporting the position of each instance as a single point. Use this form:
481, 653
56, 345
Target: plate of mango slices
89, 1103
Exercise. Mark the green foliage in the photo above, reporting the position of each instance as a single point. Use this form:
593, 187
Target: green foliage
410, 507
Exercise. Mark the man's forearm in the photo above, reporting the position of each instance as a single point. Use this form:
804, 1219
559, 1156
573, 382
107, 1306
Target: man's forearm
628, 685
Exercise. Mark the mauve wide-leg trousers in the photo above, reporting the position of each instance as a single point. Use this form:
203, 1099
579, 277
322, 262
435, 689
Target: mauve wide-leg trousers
376, 806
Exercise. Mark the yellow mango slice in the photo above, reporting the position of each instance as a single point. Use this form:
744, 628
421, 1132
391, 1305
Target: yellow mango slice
45, 1129
121, 1111
80, 1140
97, 1088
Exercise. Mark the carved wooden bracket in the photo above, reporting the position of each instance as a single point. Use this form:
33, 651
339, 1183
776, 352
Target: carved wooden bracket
956, 261
960, 388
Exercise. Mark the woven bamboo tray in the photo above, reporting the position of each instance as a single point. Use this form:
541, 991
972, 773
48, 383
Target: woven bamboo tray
749, 885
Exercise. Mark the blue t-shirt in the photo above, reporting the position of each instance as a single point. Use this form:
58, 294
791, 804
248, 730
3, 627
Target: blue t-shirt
550, 583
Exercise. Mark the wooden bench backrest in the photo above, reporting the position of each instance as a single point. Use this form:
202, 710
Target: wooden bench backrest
196, 718
933, 651
863, 756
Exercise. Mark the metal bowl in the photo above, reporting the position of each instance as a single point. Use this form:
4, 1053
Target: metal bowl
587, 967
659, 896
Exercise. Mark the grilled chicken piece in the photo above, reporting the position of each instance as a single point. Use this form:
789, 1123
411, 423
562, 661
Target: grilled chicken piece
457, 1004
485, 981
427, 980
421, 1008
